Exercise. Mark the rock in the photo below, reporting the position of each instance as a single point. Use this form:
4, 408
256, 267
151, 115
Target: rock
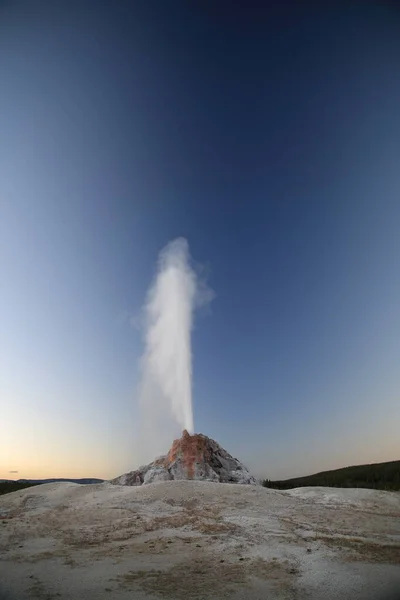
194, 457
157, 474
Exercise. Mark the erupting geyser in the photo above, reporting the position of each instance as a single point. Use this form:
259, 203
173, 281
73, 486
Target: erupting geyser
165, 393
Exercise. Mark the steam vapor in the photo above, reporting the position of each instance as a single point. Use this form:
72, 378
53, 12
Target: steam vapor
165, 391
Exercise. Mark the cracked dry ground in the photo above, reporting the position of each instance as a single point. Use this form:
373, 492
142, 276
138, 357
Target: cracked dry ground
195, 540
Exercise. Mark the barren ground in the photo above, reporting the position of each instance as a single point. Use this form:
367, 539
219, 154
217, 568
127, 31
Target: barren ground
184, 540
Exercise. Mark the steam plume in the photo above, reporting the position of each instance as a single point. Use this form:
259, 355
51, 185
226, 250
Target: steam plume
165, 392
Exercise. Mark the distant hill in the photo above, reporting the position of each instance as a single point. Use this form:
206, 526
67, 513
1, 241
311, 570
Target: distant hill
9, 485
379, 476
83, 481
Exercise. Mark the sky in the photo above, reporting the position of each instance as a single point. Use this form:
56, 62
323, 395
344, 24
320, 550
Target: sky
267, 136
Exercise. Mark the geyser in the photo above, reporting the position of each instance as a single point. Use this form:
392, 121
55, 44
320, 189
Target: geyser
165, 393
194, 457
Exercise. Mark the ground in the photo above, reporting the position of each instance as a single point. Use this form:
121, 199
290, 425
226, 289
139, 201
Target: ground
198, 540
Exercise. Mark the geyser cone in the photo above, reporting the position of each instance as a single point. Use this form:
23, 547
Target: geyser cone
191, 457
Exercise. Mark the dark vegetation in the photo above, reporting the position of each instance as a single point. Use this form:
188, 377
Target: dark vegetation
82, 481
13, 486
378, 476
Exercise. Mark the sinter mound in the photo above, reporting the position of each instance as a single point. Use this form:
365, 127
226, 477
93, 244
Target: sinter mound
191, 457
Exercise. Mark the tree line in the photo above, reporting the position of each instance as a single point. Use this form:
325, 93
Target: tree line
13, 486
379, 476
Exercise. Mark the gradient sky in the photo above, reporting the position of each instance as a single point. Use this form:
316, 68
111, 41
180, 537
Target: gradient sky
270, 139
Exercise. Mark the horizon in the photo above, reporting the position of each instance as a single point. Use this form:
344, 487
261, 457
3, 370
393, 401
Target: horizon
261, 477
269, 140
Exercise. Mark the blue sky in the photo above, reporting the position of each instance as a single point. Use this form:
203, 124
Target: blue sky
270, 139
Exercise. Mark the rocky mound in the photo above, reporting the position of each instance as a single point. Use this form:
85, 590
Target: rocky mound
191, 457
